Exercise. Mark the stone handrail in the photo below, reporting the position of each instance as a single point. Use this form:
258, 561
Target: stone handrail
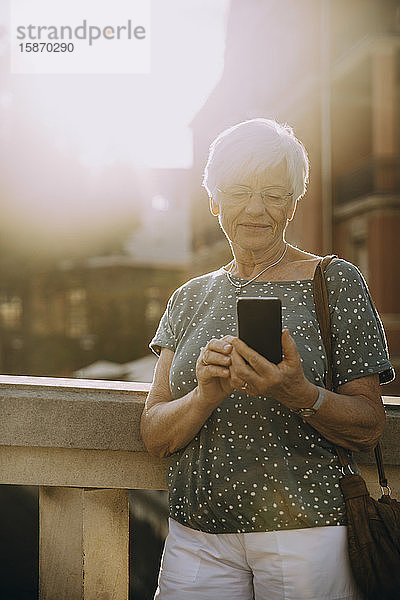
79, 441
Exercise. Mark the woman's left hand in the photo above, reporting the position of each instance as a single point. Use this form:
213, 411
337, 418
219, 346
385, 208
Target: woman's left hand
285, 381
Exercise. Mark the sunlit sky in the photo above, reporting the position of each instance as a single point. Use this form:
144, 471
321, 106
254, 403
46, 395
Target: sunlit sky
75, 149
142, 119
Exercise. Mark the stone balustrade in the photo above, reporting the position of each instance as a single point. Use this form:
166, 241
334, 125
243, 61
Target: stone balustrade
79, 441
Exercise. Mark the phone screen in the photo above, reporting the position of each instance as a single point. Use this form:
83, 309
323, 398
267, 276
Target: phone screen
260, 326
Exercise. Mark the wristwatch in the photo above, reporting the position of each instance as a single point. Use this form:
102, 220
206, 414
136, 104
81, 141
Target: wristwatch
309, 412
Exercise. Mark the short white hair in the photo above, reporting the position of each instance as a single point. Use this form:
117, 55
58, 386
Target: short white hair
250, 148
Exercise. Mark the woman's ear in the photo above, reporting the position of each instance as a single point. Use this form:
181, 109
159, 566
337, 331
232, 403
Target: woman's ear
291, 210
214, 207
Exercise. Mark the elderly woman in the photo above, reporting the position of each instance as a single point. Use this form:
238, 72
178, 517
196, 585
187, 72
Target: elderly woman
256, 509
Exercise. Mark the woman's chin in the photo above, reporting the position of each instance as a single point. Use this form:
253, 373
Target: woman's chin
256, 242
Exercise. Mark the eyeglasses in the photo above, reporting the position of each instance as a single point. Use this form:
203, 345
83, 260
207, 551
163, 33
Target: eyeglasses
270, 195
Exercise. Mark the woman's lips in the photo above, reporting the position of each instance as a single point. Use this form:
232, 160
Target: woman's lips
253, 226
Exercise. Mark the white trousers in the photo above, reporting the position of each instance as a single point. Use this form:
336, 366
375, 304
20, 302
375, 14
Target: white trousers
299, 564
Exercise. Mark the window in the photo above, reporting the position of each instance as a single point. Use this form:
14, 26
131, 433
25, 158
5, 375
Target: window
154, 306
10, 311
77, 317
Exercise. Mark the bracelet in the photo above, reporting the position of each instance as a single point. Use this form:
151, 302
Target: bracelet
320, 399
309, 412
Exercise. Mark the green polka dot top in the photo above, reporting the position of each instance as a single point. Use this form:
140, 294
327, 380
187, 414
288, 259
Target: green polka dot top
255, 465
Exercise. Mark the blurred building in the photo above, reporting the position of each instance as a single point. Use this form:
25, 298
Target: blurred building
365, 123
59, 318
164, 236
330, 70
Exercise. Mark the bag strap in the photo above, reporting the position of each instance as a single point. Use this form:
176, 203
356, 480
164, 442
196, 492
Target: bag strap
383, 482
323, 316
322, 310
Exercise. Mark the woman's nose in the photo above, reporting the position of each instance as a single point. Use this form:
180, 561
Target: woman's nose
255, 204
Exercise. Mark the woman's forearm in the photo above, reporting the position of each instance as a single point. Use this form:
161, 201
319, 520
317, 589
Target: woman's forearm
355, 422
168, 426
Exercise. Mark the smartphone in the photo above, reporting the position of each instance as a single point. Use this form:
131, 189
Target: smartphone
260, 325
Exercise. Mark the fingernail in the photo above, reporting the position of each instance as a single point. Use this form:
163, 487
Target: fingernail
228, 347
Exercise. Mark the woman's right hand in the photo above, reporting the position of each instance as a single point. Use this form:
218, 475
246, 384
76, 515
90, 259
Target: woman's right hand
212, 371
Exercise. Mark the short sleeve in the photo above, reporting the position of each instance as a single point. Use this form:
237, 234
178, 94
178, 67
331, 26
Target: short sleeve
164, 336
359, 346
